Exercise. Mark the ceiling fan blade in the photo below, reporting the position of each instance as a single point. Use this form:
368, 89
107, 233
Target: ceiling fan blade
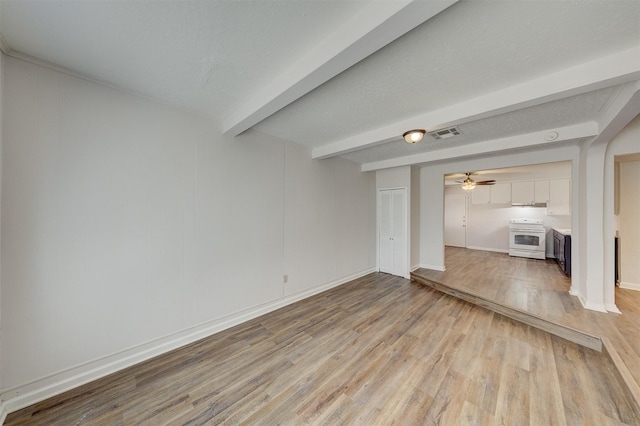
486, 182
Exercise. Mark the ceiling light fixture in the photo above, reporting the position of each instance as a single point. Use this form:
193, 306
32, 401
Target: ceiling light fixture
413, 136
468, 184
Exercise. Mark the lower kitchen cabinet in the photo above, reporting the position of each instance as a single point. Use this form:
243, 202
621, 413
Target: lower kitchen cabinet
562, 251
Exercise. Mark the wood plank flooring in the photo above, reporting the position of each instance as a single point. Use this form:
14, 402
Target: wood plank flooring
378, 350
540, 288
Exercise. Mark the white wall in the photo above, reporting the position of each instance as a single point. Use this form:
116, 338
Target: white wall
131, 227
629, 225
397, 177
330, 220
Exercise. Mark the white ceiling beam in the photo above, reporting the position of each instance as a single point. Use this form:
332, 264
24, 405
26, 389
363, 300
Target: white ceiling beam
529, 140
619, 68
365, 33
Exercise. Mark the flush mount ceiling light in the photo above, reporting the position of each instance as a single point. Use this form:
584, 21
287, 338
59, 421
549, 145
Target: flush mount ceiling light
413, 136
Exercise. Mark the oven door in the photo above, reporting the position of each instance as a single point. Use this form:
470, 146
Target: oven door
526, 240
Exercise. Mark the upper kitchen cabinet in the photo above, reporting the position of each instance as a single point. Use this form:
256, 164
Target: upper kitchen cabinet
501, 193
481, 195
522, 192
530, 193
541, 191
559, 197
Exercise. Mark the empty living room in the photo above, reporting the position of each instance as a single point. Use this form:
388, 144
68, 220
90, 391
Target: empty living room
416, 212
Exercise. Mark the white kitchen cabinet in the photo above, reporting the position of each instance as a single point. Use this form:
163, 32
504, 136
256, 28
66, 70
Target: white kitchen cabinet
523, 192
501, 193
541, 191
559, 197
531, 192
481, 195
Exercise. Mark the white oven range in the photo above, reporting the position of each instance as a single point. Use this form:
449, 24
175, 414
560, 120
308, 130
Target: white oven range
527, 238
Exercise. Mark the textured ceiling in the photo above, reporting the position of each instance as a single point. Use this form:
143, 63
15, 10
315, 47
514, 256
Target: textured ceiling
470, 49
575, 109
217, 57
205, 55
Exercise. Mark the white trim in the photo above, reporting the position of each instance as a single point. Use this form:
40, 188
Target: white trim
599, 307
611, 307
488, 249
630, 286
25, 395
440, 268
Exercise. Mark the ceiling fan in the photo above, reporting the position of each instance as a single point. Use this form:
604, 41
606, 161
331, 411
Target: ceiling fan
469, 183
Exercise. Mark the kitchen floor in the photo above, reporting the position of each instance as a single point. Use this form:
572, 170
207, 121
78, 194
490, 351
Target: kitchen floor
539, 287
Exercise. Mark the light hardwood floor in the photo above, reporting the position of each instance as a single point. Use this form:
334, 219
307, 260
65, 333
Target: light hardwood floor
540, 288
378, 350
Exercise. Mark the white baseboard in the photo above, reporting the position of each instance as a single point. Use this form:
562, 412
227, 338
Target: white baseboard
599, 307
28, 394
488, 249
440, 268
611, 307
630, 286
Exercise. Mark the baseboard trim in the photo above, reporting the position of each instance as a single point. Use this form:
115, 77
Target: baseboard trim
31, 393
598, 307
630, 286
611, 307
440, 268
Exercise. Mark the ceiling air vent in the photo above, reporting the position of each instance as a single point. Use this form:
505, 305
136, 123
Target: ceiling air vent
445, 133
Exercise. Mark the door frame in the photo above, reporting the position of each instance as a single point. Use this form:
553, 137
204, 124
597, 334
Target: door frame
407, 228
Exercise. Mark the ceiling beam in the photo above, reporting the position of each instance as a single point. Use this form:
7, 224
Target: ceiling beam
530, 140
365, 33
619, 68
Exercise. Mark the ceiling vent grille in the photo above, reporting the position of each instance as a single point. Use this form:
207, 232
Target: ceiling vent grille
445, 133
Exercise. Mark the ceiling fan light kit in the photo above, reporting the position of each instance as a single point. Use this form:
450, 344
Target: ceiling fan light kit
468, 184
413, 136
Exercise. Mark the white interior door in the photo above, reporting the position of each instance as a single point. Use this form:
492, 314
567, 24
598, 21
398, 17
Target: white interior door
392, 234
455, 220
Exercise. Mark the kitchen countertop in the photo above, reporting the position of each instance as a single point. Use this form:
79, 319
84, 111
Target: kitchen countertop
563, 231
